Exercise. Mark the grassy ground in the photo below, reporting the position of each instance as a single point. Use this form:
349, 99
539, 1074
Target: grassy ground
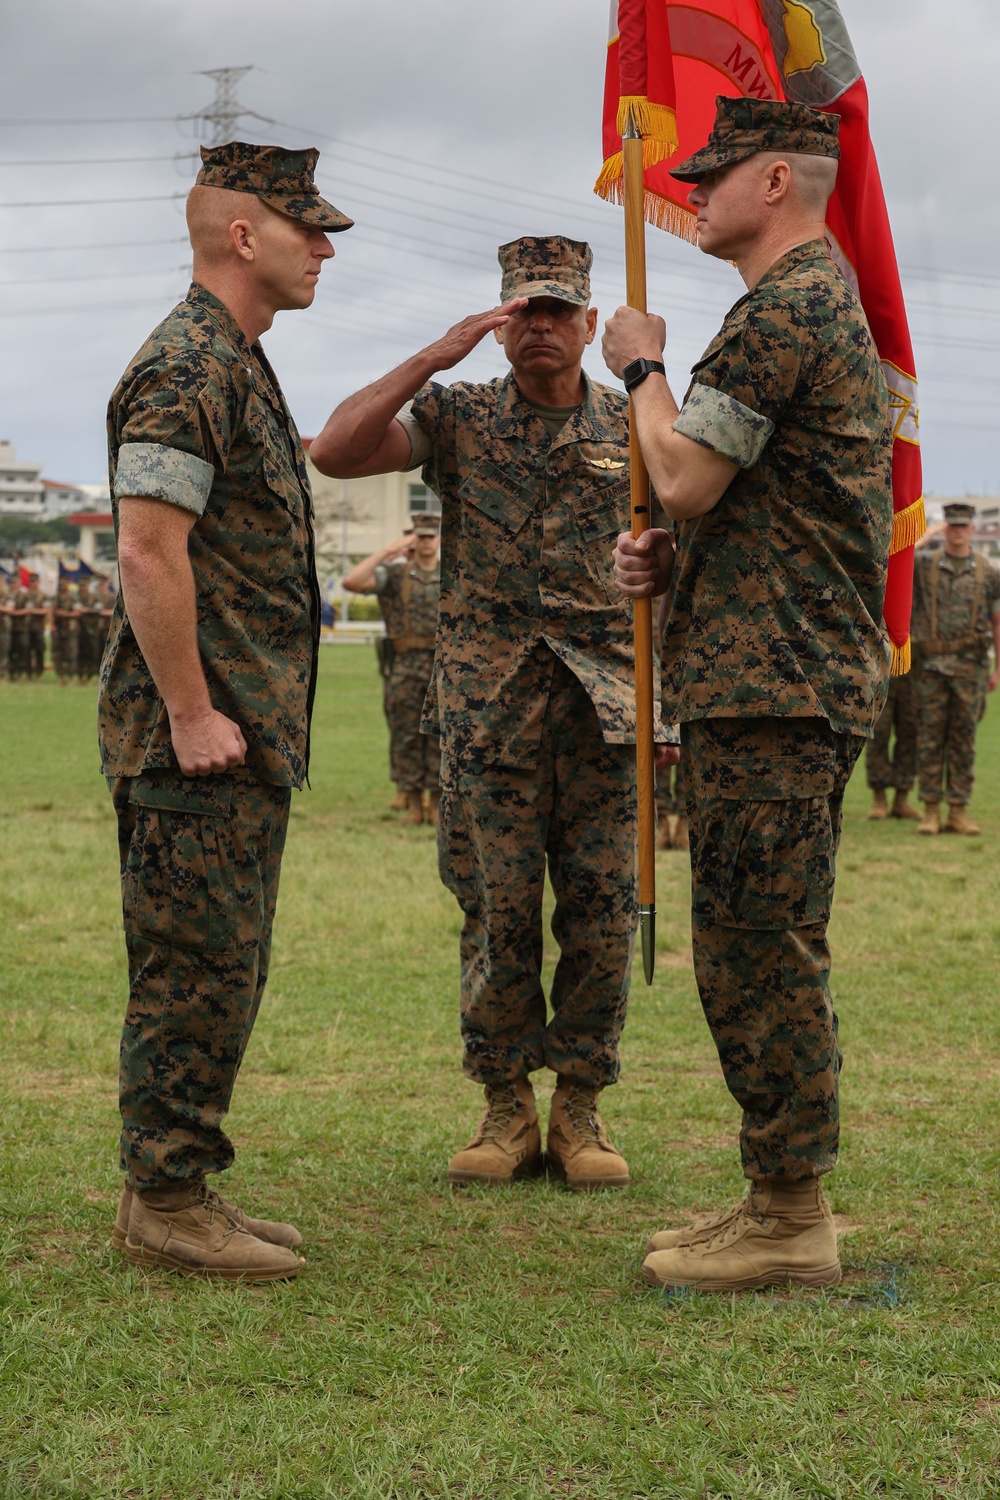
486, 1343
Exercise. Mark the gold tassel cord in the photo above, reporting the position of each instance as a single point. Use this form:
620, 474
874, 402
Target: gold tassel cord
654, 122
908, 526
900, 658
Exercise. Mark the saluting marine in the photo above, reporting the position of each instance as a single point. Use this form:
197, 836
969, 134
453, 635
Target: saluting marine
406, 578
533, 697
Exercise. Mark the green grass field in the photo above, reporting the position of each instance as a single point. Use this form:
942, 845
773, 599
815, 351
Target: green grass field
486, 1343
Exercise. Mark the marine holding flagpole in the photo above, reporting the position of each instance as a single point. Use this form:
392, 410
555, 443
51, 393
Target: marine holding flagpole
776, 469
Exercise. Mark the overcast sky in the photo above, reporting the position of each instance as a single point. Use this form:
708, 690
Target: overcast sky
446, 127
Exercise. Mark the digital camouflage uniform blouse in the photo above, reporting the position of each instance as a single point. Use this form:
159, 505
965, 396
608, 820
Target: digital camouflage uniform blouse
198, 419
412, 619
955, 601
778, 590
528, 525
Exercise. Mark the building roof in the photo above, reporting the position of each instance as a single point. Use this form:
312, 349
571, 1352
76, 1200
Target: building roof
91, 518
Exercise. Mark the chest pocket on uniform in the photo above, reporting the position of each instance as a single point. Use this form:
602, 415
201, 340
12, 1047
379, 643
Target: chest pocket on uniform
281, 478
493, 513
600, 518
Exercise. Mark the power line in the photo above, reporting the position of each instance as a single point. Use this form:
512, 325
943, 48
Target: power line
179, 239
93, 276
97, 161
88, 202
117, 120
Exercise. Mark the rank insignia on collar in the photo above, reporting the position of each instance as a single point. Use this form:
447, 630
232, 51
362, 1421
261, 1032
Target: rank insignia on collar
606, 463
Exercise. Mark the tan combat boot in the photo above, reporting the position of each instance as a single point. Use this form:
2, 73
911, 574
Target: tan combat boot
577, 1146
931, 822
185, 1228
508, 1143
681, 839
782, 1232
879, 807
398, 803
270, 1230
669, 1239
958, 822
414, 814
901, 807
663, 839
433, 803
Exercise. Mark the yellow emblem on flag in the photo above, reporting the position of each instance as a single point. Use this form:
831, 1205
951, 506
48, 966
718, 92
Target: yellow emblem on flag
804, 38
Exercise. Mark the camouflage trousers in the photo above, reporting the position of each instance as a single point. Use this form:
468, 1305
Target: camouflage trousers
764, 803
414, 758
950, 711
497, 829
200, 858
670, 792
897, 769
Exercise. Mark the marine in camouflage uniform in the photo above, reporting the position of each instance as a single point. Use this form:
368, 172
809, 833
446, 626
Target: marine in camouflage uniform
198, 422
775, 663
38, 616
891, 756
533, 698
408, 593
956, 619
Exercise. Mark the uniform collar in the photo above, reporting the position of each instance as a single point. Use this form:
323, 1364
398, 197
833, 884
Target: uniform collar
514, 417
200, 296
799, 255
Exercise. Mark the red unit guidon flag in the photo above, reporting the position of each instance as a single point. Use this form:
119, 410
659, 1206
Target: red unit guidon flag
666, 63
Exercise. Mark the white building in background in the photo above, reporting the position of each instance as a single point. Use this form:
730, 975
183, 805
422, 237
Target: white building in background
22, 492
61, 499
355, 517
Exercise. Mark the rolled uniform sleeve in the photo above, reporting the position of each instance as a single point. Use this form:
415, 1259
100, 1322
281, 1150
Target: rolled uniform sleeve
428, 420
158, 472
420, 443
181, 416
744, 383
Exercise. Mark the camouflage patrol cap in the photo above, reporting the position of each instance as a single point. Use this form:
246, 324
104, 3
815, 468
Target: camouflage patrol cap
546, 266
959, 514
283, 179
426, 523
745, 126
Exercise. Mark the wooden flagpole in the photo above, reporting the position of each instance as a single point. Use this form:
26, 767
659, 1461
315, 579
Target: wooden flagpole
635, 284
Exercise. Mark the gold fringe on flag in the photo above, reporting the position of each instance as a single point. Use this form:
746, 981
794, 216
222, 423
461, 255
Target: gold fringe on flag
908, 526
900, 658
658, 211
654, 122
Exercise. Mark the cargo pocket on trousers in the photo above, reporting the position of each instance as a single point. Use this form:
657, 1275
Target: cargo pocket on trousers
180, 875
455, 862
772, 864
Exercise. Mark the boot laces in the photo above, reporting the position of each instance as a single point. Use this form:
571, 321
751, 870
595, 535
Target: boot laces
501, 1107
206, 1197
729, 1227
581, 1107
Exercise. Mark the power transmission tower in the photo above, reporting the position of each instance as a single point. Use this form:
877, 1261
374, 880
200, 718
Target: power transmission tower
225, 109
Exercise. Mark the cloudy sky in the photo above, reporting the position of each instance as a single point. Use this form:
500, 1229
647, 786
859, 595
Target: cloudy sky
446, 127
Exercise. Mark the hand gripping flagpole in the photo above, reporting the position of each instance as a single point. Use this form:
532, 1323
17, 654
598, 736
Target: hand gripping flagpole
635, 284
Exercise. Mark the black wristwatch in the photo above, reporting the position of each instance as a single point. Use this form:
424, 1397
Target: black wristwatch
635, 373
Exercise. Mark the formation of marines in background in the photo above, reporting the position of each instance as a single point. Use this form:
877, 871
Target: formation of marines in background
74, 625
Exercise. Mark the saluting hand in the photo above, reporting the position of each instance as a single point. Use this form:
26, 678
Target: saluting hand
463, 338
643, 564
